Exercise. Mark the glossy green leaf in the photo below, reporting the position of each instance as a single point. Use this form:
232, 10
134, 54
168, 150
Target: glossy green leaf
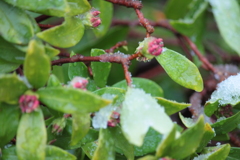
147, 85
171, 107
70, 100
213, 153
6, 67
9, 119
226, 125
16, 26
9, 153
65, 35
221, 137
150, 143
188, 122
106, 14
210, 107
9, 53
78, 7
55, 153
176, 9
193, 21
140, 108
11, 88
209, 133
148, 157
80, 127
115, 92
51, 8
121, 143
90, 148
164, 146
53, 81
234, 153
181, 70
100, 69
185, 145
37, 64
105, 149
77, 69
31, 136
227, 21
50, 51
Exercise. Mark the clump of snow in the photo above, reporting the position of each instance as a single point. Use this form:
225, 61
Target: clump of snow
100, 120
228, 91
202, 156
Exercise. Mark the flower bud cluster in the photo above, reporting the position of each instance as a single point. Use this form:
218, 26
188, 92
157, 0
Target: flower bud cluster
150, 47
58, 125
79, 82
91, 18
28, 103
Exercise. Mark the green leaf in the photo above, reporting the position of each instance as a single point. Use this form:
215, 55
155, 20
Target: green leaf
9, 53
16, 26
209, 133
9, 153
6, 67
234, 153
69, 100
37, 64
148, 157
193, 21
181, 70
171, 107
210, 107
100, 69
221, 137
9, 119
51, 8
78, 7
53, 81
147, 85
176, 9
229, 25
80, 127
11, 88
115, 92
105, 149
77, 69
183, 146
106, 14
150, 143
226, 124
213, 153
165, 145
31, 136
65, 35
56, 153
140, 108
188, 122
90, 148
121, 143
50, 51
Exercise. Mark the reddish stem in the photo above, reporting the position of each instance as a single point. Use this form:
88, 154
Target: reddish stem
117, 45
41, 18
46, 26
127, 3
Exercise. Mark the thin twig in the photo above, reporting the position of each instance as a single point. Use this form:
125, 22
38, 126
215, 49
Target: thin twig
117, 45
127, 3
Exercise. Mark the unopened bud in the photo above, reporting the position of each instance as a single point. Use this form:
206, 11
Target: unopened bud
79, 82
91, 18
58, 125
114, 119
150, 47
28, 103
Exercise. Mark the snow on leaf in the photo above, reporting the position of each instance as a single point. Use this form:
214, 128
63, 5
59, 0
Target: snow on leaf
139, 112
228, 91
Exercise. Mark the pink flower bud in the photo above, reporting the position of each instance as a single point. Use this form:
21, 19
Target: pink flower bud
58, 125
155, 47
95, 13
79, 82
96, 23
28, 103
114, 119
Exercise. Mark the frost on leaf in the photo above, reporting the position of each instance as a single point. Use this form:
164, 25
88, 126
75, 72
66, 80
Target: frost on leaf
100, 120
228, 91
139, 112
